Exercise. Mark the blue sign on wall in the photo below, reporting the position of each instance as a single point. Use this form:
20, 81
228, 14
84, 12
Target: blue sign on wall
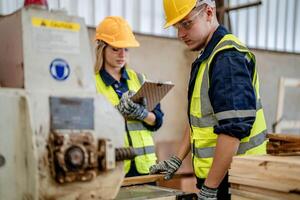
59, 69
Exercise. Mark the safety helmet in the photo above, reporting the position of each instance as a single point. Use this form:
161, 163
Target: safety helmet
176, 10
116, 32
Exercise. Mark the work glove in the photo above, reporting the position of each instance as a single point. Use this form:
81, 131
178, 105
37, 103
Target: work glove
130, 109
169, 167
207, 193
137, 111
126, 105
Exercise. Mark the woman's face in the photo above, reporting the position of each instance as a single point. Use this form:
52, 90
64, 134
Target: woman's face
115, 57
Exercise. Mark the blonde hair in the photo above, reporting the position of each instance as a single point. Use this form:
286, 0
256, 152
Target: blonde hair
99, 52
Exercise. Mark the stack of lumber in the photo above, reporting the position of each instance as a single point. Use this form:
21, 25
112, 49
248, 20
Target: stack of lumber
265, 177
283, 144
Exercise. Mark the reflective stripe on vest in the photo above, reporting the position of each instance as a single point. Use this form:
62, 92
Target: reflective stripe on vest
203, 118
144, 150
138, 134
210, 120
229, 114
136, 126
255, 141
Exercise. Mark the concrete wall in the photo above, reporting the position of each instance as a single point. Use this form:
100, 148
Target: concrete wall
168, 59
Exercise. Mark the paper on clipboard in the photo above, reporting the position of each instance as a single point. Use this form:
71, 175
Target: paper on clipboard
153, 91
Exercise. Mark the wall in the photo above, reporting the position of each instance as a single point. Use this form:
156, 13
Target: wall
272, 66
168, 59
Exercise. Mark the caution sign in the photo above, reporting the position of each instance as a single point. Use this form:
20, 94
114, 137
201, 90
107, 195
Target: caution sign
48, 23
53, 36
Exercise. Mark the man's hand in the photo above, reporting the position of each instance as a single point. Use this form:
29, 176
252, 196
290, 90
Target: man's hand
169, 167
207, 193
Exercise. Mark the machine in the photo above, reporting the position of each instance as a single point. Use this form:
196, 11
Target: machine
59, 139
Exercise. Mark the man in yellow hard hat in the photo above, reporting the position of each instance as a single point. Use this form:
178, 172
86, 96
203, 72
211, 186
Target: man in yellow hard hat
224, 108
117, 82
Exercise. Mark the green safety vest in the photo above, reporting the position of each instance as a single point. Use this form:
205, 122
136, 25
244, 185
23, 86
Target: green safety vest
203, 118
138, 136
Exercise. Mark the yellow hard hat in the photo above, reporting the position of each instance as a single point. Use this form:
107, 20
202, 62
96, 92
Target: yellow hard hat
116, 32
176, 10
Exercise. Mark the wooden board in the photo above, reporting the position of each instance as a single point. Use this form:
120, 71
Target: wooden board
252, 191
283, 143
265, 177
151, 178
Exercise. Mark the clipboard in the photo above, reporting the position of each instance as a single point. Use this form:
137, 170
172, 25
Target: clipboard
153, 92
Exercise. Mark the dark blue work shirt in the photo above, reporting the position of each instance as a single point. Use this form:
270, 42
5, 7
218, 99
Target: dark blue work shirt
230, 86
122, 87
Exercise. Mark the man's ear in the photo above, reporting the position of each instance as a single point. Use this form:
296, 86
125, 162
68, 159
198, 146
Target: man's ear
210, 13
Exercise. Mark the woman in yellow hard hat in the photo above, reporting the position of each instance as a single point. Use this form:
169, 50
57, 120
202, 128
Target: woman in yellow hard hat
118, 83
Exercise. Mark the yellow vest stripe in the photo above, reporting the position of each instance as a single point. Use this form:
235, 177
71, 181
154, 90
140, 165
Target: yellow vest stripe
255, 141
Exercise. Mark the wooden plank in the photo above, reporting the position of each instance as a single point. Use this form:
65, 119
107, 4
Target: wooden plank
240, 194
287, 154
264, 159
265, 192
270, 173
283, 137
272, 185
237, 197
151, 178
265, 177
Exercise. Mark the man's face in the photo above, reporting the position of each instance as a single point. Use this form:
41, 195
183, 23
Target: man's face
194, 29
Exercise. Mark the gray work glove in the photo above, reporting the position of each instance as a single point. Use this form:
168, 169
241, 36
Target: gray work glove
169, 167
126, 104
207, 193
131, 110
138, 112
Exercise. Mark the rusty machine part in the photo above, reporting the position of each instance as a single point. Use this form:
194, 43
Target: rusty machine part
72, 157
125, 153
75, 157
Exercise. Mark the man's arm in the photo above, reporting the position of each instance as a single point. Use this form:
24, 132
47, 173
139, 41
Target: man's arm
185, 146
226, 148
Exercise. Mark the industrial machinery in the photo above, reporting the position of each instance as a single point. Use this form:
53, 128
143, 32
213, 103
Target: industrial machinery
59, 139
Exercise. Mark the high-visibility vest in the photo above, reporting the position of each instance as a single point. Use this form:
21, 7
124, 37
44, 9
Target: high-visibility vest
137, 136
203, 118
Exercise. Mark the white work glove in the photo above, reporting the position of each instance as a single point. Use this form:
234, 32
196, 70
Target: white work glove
131, 110
207, 193
169, 167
